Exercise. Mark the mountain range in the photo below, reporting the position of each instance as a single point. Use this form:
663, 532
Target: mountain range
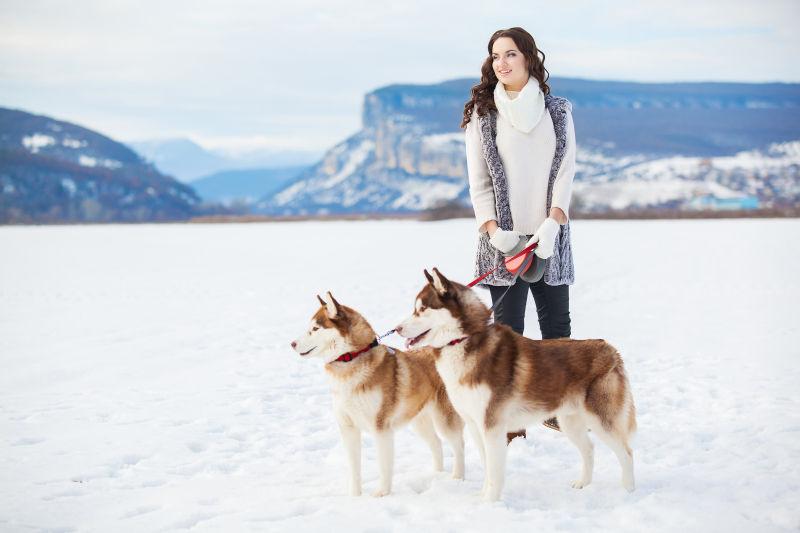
653, 145
675, 145
244, 187
187, 161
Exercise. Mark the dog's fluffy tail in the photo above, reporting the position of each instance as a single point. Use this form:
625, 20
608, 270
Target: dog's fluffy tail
630, 411
610, 398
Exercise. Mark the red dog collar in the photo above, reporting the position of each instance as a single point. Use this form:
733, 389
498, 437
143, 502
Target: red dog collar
456, 341
349, 356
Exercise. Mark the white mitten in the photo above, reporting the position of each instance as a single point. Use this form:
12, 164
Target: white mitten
504, 240
546, 237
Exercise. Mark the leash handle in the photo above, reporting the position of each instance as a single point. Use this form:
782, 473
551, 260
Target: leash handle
524, 251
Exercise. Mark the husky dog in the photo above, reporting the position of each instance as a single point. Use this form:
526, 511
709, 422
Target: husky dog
500, 381
378, 389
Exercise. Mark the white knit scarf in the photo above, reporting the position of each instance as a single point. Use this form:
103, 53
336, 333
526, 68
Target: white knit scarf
524, 111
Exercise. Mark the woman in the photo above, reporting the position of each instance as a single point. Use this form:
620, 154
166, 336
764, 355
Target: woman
520, 144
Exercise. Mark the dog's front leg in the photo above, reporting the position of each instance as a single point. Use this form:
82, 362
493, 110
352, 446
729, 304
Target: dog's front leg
385, 443
495, 442
351, 436
477, 436
457, 443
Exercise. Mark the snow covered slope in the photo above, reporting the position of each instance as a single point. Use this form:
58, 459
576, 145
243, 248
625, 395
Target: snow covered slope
351, 177
54, 171
765, 177
148, 383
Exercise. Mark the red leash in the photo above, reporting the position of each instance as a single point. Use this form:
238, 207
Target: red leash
524, 252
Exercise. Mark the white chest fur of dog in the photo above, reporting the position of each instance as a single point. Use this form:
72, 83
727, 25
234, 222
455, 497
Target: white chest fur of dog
470, 401
357, 407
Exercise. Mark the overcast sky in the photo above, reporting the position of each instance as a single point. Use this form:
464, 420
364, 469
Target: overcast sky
293, 74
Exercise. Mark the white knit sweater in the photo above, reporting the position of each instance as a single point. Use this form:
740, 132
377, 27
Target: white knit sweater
527, 158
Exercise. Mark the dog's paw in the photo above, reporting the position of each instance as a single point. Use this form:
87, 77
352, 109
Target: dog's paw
579, 484
458, 475
491, 496
628, 485
355, 492
491, 493
380, 493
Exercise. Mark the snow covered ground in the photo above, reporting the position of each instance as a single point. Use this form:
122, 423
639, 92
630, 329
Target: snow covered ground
147, 381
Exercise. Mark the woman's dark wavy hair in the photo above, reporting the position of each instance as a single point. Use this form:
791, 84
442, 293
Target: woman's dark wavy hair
483, 92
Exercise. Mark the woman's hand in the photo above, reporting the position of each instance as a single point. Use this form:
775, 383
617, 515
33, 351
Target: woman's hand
490, 226
505, 241
546, 237
559, 215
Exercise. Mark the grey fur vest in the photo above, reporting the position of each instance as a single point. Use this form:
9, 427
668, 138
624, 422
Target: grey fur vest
559, 269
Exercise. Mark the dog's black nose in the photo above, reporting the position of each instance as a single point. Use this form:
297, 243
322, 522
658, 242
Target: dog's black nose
294, 344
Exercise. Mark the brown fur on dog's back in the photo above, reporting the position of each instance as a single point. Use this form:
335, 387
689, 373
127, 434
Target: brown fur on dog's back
549, 372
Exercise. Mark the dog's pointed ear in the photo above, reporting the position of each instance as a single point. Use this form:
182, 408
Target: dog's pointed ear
427, 275
440, 283
331, 305
321, 301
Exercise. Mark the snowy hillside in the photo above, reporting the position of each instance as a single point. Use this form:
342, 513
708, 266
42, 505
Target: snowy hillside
352, 178
148, 383
753, 177
55, 171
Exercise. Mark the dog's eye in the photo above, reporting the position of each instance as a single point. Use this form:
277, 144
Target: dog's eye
422, 308
315, 328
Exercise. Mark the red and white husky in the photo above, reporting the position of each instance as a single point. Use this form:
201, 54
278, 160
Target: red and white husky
378, 389
500, 381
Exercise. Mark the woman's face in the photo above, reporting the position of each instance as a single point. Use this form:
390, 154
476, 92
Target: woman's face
509, 64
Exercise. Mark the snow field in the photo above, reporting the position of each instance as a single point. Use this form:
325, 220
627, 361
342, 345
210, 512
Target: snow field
148, 383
